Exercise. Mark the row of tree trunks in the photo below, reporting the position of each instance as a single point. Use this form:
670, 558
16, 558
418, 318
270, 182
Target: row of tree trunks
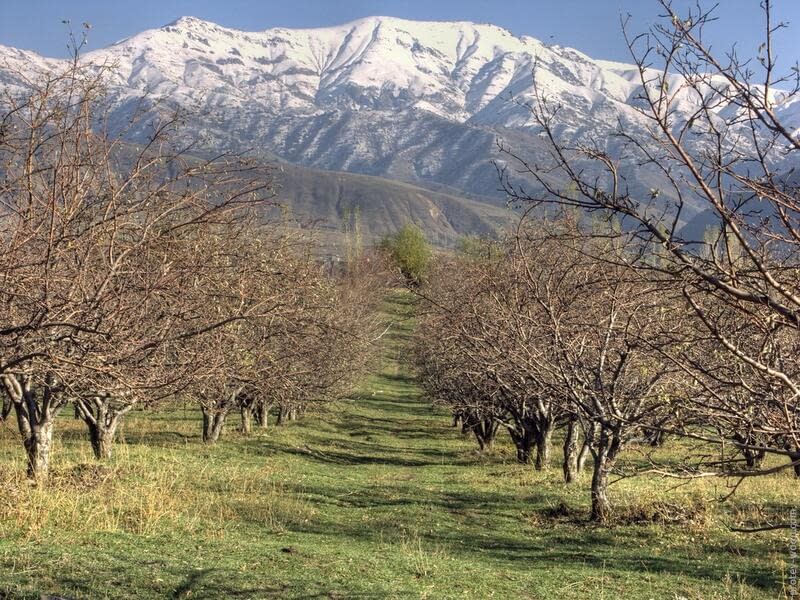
258, 411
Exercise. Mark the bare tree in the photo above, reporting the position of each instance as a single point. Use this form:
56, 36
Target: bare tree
558, 329
713, 130
92, 228
304, 338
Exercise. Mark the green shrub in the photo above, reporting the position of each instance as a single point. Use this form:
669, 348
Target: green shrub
410, 251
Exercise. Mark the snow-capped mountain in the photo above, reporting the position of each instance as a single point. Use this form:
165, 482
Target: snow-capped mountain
422, 102
457, 71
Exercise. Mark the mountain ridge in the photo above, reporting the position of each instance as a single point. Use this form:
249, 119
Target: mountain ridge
422, 102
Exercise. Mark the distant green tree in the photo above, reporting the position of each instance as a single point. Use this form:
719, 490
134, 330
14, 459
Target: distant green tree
410, 251
479, 248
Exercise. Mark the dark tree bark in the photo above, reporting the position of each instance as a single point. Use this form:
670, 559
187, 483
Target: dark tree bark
483, 427
523, 440
485, 432
753, 457
102, 439
793, 457
8, 406
215, 413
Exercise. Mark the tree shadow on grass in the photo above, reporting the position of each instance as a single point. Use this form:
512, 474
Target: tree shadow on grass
198, 584
354, 453
385, 403
582, 545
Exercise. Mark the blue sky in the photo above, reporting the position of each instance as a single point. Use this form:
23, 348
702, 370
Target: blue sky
589, 25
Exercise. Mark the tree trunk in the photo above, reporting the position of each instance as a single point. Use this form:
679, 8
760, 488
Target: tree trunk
262, 414
247, 418
102, 423
571, 452
603, 463
523, 442
655, 438
483, 428
36, 414
7, 406
213, 422
586, 450
37, 447
753, 457
102, 439
490, 429
793, 457
544, 434
601, 506
485, 431
23, 422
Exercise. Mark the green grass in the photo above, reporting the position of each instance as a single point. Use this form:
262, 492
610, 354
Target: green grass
378, 497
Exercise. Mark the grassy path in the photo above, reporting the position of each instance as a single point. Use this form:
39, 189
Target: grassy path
376, 498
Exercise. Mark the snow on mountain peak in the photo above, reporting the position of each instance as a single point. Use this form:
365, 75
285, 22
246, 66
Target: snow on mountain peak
411, 100
188, 21
460, 71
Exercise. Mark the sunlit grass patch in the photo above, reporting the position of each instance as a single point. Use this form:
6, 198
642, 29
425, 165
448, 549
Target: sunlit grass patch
376, 497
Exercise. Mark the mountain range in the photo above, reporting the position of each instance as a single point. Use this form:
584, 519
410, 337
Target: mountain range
417, 107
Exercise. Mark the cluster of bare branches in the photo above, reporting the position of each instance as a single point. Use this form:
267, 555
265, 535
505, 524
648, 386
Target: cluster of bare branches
311, 340
135, 273
556, 331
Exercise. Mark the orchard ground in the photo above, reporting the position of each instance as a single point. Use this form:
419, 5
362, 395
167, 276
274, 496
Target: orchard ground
376, 497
